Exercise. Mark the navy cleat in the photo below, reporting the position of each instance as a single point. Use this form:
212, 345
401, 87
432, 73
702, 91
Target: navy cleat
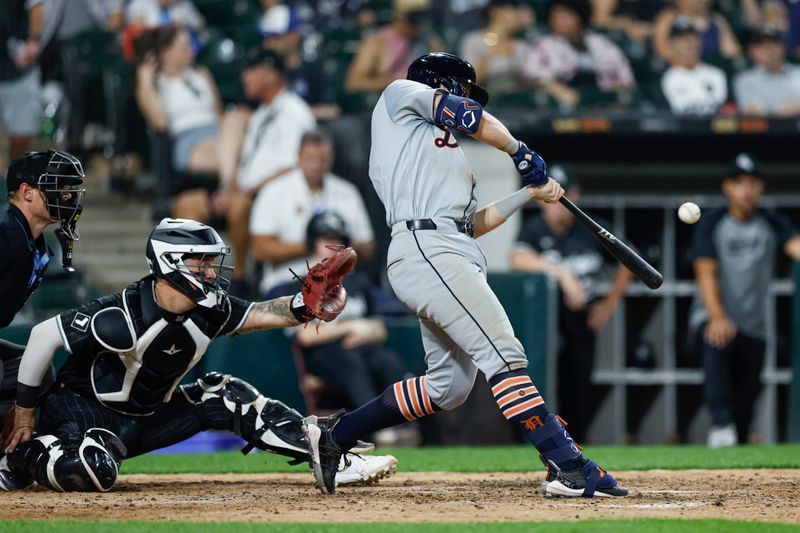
586, 481
324, 453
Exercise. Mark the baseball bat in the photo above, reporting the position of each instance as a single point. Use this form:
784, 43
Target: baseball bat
633, 261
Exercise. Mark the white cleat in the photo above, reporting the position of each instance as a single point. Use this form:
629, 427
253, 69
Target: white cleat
365, 470
722, 436
9, 481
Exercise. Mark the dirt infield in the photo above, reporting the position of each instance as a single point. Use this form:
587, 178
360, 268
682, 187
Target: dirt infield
772, 495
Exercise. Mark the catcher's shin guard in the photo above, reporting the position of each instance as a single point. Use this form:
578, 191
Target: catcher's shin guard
264, 423
90, 464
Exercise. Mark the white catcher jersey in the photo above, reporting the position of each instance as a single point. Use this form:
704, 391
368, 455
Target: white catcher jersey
416, 167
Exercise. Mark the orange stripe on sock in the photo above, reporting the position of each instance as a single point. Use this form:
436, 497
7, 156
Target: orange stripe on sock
516, 395
517, 409
426, 399
416, 403
401, 401
509, 382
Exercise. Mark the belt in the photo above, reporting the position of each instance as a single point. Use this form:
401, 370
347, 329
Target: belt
467, 228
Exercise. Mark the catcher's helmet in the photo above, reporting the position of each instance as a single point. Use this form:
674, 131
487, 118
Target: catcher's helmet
449, 71
326, 224
59, 176
172, 242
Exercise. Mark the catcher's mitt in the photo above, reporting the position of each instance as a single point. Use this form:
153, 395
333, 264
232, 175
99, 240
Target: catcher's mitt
323, 294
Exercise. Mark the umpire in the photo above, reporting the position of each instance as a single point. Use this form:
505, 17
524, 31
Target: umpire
44, 188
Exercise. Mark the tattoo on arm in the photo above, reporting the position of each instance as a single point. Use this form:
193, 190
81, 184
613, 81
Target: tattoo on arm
270, 314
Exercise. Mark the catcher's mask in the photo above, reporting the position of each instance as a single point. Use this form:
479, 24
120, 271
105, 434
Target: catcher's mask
449, 71
190, 256
59, 176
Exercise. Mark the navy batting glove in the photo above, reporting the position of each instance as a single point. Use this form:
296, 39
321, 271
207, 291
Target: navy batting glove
530, 166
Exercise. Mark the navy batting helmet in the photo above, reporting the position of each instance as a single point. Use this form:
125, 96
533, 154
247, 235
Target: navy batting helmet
439, 69
326, 224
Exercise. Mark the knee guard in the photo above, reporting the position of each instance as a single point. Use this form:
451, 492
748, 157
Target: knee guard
266, 424
90, 464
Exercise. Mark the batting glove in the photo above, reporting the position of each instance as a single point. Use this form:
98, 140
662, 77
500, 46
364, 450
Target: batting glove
530, 166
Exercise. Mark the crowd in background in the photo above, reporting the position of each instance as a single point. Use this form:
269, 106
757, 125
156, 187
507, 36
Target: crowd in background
228, 95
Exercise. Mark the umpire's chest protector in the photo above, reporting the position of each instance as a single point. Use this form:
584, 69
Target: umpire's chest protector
136, 353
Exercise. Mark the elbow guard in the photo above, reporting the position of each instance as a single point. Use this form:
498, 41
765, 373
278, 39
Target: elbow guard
463, 114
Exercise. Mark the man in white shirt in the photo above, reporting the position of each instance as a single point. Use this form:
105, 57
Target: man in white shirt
771, 87
691, 86
283, 208
269, 149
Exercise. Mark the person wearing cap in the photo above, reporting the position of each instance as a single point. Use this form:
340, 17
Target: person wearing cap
734, 250
44, 188
716, 37
553, 243
282, 210
572, 58
386, 55
772, 86
496, 51
690, 86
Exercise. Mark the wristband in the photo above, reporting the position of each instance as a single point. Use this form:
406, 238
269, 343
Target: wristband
511, 147
511, 203
298, 308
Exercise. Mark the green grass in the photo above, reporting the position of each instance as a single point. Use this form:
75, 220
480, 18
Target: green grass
490, 459
594, 526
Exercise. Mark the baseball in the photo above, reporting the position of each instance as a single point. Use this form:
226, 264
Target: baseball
689, 213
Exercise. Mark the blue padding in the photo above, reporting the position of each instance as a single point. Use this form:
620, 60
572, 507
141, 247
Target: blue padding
462, 114
552, 427
592, 474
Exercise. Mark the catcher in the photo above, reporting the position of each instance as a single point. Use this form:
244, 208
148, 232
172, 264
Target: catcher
118, 394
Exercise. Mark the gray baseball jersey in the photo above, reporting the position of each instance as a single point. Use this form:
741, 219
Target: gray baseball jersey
419, 171
416, 167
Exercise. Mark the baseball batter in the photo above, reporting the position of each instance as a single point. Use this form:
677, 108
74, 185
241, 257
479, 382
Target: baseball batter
437, 269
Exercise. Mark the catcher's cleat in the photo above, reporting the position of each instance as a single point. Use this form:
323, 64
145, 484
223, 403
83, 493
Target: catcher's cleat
587, 481
362, 447
324, 453
359, 470
12, 480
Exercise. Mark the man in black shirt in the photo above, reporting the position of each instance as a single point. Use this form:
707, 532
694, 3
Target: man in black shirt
554, 243
44, 188
118, 394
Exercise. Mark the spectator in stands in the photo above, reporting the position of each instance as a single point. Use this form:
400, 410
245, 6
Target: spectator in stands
180, 98
155, 13
771, 87
634, 17
386, 55
283, 208
348, 354
280, 29
270, 148
734, 251
691, 86
717, 38
794, 28
496, 52
21, 27
573, 58
553, 243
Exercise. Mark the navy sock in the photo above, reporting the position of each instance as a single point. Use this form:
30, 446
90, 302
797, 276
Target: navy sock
522, 405
404, 401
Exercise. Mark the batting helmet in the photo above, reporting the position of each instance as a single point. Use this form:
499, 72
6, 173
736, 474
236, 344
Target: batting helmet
326, 224
439, 69
176, 239
59, 176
